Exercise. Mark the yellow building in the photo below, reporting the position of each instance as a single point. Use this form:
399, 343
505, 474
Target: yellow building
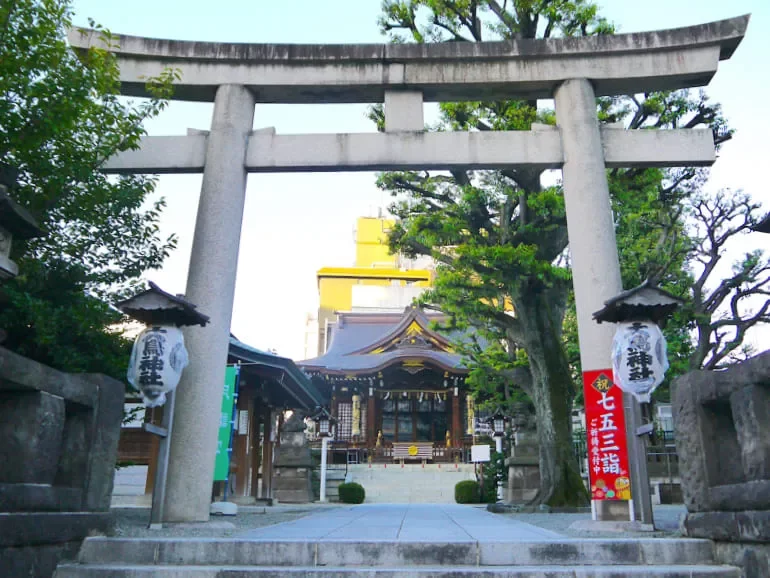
377, 281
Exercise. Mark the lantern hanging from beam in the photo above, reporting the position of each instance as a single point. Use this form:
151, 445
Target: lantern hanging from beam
639, 360
157, 360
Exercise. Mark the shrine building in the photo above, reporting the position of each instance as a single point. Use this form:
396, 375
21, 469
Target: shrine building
396, 387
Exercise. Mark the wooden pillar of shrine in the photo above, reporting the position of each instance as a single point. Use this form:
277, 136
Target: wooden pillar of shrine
371, 419
241, 447
255, 454
456, 421
267, 455
154, 416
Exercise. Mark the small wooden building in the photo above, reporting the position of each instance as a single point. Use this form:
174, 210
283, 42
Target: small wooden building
396, 387
269, 385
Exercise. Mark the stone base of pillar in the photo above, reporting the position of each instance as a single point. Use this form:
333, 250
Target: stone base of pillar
292, 485
293, 465
611, 510
523, 468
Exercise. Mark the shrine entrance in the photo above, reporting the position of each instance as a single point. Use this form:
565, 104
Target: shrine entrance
571, 71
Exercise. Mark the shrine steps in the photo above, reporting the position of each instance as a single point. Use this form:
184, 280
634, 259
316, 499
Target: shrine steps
559, 558
394, 483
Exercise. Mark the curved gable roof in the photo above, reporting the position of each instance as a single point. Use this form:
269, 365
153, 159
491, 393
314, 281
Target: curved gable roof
370, 342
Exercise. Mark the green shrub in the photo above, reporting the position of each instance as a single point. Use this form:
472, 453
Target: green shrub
467, 492
493, 470
352, 493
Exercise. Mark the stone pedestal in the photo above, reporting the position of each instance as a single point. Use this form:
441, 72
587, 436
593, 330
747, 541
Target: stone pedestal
58, 445
722, 426
523, 468
293, 465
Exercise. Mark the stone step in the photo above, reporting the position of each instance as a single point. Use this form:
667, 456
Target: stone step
332, 475
410, 483
550, 571
234, 552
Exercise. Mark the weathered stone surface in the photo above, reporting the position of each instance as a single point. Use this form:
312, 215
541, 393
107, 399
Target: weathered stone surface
295, 424
450, 71
723, 436
31, 426
523, 480
17, 372
292, 469
753, 559
34, 528
752, 495
58, 444
103, 446
39, 497
612, 510
751, 413
524, 462
211, 286
36, 561
743, 526
287, 455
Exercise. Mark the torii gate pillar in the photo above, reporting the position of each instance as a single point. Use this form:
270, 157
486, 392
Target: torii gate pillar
211, 285
595, 264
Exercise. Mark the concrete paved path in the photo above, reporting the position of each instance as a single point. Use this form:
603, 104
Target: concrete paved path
404, 522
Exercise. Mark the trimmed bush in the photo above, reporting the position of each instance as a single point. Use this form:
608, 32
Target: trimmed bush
352, 493
467, 492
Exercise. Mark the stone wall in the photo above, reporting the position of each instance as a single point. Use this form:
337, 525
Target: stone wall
722, 425
58, 444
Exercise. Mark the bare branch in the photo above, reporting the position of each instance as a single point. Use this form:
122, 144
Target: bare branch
508, 20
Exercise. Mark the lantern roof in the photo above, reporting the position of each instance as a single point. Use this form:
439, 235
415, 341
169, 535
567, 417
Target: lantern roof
156, 307
647, 302
323, 413
16, 219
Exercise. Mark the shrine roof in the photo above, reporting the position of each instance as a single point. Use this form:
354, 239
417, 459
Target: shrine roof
292, 379
370, 342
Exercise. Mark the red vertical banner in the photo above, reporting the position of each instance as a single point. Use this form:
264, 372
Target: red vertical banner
606, 437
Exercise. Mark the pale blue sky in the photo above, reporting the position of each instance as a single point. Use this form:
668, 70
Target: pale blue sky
295, 224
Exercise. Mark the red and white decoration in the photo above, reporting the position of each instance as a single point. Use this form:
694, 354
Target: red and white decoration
606, 433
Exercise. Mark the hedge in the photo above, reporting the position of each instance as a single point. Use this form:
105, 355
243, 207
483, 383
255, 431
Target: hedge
352, 493
467, 492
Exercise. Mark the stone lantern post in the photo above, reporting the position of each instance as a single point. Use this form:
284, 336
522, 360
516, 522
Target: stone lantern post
324, 426
497, 423
15, 223
639, 364
163, 314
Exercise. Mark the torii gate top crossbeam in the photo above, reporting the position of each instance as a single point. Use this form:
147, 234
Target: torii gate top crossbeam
319, 73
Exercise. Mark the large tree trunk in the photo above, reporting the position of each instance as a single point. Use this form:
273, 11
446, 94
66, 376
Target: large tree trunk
540, 313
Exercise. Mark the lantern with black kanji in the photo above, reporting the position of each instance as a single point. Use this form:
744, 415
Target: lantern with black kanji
639, 360
159, 355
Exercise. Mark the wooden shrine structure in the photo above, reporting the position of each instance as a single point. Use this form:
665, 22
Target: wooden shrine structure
396, 386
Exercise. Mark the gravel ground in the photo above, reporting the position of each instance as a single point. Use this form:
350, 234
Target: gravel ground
132, 522
666, 523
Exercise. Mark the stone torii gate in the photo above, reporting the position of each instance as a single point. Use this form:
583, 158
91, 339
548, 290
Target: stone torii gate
572, 71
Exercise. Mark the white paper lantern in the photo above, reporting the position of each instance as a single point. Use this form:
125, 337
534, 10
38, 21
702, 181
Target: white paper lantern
157, 360
639, 360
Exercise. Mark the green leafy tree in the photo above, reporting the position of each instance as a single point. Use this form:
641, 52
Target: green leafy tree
500, 237
61, 118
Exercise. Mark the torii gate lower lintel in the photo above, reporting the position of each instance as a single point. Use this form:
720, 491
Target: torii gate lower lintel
235, 77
